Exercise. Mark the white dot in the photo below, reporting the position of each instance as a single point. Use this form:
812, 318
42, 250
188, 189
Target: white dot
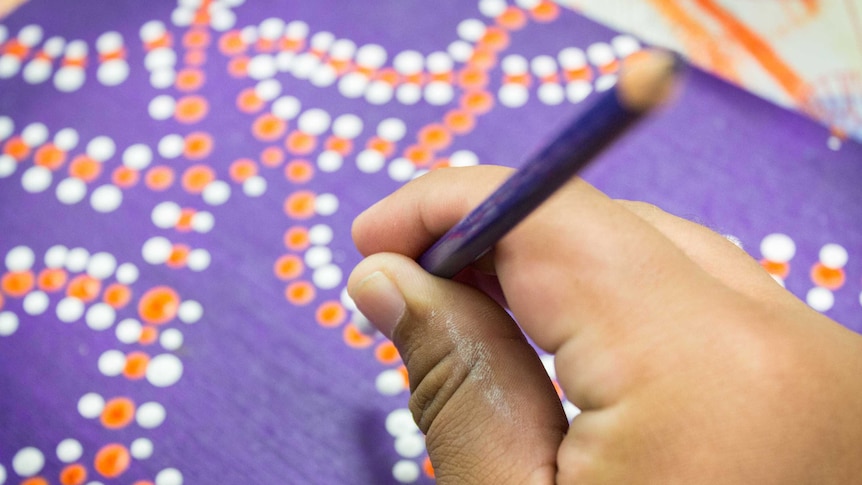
492, 8
577, 91
202, 221
777, 247
69, 450
169, 476
101, 148
127, 273
54, 46
514, 64
152, 31
471, 30
438, 93
141, 449
111, 363
182, 17
571, 410
408, 93
2, 468
314, 121
20, 258
408, 62
254, 186
69, 78
389, 382
76, 259
329, 161
405, 471
171, 339
37, 71
391, 129
66, 139
164, 370
833, 256
347, 126
323, 75
551, 94
161, 108
91, 405
34, 134
199, 259
30, 35
150, 415
163, 77
327, 277
268, 89
605, 82
318, 256
7, 126
463, 158
528, 4
8, 323
36, 179
55, 256
410, 445
159, 58
100, 316
109, 42
271, 28
106, 198
304, 65
262, 66
400, 422
600, 54
379, 92
28, 461
8, 165
834, 143
216, 192
286, 107
129, 331
69, 309
543, 66
371, 56
71, 190
342, 49
370, 161
363, 324
190, 311
166, 214
625, 45
9, 66
572, 58
296, 29
35, 303
460, 50
156, 250
820, 299
171, 146
284, 60
248, 35
101, 265
113, 72
352, 85
348, 302
321, 41
513, 95
223, 19
401, 169
320, 234
326, 204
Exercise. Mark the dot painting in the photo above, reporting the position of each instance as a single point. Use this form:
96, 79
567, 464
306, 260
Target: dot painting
182, 253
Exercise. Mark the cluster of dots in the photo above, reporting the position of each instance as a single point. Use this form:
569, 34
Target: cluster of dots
71, 58
307, 251
827, 274
111, 461
410, 446
159, 250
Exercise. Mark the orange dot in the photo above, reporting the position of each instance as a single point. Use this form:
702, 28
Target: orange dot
197, 39
435, 137
149, 335
17, 283
159, 178
117, 295
202, 17
231, 43
482, 58
136, 363
52, 279
459, 121
522, 79
158, 305
477, 102
248, 101
300, 293
196, 178
300, 143
300, 205
558, 389
356, 339
49, 156
299, 171
179, 255
238, 67
143, 482
85, 168
118, 413
198, 145
125, 177
513, 18
112, 460
440, 163
419, 155
774, 268
16, 148
2, 300
189, 79
427, 467
74, 474
545, 11
84, 287
389, 75
240, 170
472, 78
288, 267
268, 127
404, 376
386, 353
272, 156
195, 57
291, 44
164, 41
330, 314
184, 223
495, 38
296, 238
342, 146
191, 109
829, 278
381, 145
35, 481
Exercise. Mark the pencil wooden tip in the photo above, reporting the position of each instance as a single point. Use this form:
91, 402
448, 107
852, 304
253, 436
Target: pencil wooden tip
647, 79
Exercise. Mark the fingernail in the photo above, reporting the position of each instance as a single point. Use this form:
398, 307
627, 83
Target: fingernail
380, 301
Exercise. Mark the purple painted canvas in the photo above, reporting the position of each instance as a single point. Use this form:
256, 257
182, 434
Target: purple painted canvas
178, 180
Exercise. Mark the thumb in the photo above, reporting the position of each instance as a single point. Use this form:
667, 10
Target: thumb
478, 389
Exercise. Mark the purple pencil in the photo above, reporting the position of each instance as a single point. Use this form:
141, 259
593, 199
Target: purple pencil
645, 81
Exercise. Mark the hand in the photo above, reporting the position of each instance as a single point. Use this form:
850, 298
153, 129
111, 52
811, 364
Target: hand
689, 363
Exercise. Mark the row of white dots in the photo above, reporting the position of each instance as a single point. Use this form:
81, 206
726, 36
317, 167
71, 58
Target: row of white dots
100, 265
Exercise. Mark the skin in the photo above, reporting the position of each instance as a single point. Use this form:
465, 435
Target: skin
689, 363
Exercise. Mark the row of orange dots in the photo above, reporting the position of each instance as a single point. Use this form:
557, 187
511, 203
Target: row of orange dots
111, 461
